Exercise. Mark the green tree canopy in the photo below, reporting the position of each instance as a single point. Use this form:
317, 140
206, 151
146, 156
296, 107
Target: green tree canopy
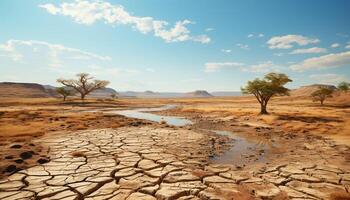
64, 92
264, 89
343, 86
321, 94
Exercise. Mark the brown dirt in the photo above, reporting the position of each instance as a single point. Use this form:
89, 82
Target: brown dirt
22, 120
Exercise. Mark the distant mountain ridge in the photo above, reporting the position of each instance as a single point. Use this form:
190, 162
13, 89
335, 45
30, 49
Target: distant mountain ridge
199, 93
34, 90
307, 90
23, 90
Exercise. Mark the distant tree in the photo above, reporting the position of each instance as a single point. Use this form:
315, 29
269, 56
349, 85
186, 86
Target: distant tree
114, 96
64, 92
344, 86
321, 94
264, 89
84, 84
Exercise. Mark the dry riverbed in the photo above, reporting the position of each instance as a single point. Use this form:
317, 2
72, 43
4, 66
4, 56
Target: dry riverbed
123, 158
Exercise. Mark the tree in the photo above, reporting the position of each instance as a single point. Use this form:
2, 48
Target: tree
84, 84
114, 96
264, 89
64, 92
321, 94
344, 86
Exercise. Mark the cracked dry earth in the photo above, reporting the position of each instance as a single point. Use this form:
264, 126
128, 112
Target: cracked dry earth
159, 163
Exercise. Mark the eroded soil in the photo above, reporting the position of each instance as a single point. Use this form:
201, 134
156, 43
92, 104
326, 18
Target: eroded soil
73, 154
163, 163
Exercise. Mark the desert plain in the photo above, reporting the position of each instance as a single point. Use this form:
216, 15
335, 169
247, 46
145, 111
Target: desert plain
85, 150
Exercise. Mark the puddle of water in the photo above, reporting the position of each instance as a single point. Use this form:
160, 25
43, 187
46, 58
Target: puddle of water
241, 151
143, 114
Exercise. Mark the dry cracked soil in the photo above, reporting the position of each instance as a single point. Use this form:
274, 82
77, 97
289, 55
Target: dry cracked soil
162, 163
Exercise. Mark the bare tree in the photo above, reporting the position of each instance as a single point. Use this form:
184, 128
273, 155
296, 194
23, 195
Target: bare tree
64, 92
264, 89
321, 94
84, 84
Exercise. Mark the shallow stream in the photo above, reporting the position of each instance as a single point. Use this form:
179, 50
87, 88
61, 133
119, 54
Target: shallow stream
243, 148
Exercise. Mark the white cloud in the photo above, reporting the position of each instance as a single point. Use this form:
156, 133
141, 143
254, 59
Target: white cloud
24, 50
226, 50
335, 45
309, 50
347, 46
278, 54
216, 66
288, 41
328, 78
209, 29
243, 46
323, 62
261, 67
260, 35
89, 12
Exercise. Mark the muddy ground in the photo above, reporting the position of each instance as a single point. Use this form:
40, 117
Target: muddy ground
74, 154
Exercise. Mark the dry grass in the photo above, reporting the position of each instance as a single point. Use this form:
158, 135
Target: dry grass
295, 115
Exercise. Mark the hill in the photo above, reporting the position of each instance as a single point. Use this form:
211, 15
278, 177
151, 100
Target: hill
103, 93
34, 90
226, 93
198, 93
24, 90
305, 91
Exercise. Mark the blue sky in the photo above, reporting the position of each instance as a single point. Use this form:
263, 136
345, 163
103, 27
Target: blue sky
181, 45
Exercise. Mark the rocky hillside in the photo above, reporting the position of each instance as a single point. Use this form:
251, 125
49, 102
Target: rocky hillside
34, 90
24, 90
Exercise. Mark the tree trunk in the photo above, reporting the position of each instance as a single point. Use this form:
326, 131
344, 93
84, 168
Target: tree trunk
263, 110
64, 98
82, 96
322, 102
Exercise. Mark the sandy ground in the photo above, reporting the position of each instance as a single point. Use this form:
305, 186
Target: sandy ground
309, 159
22, 120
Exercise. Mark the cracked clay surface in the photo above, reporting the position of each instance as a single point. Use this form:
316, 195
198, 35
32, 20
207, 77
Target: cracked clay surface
159, 163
